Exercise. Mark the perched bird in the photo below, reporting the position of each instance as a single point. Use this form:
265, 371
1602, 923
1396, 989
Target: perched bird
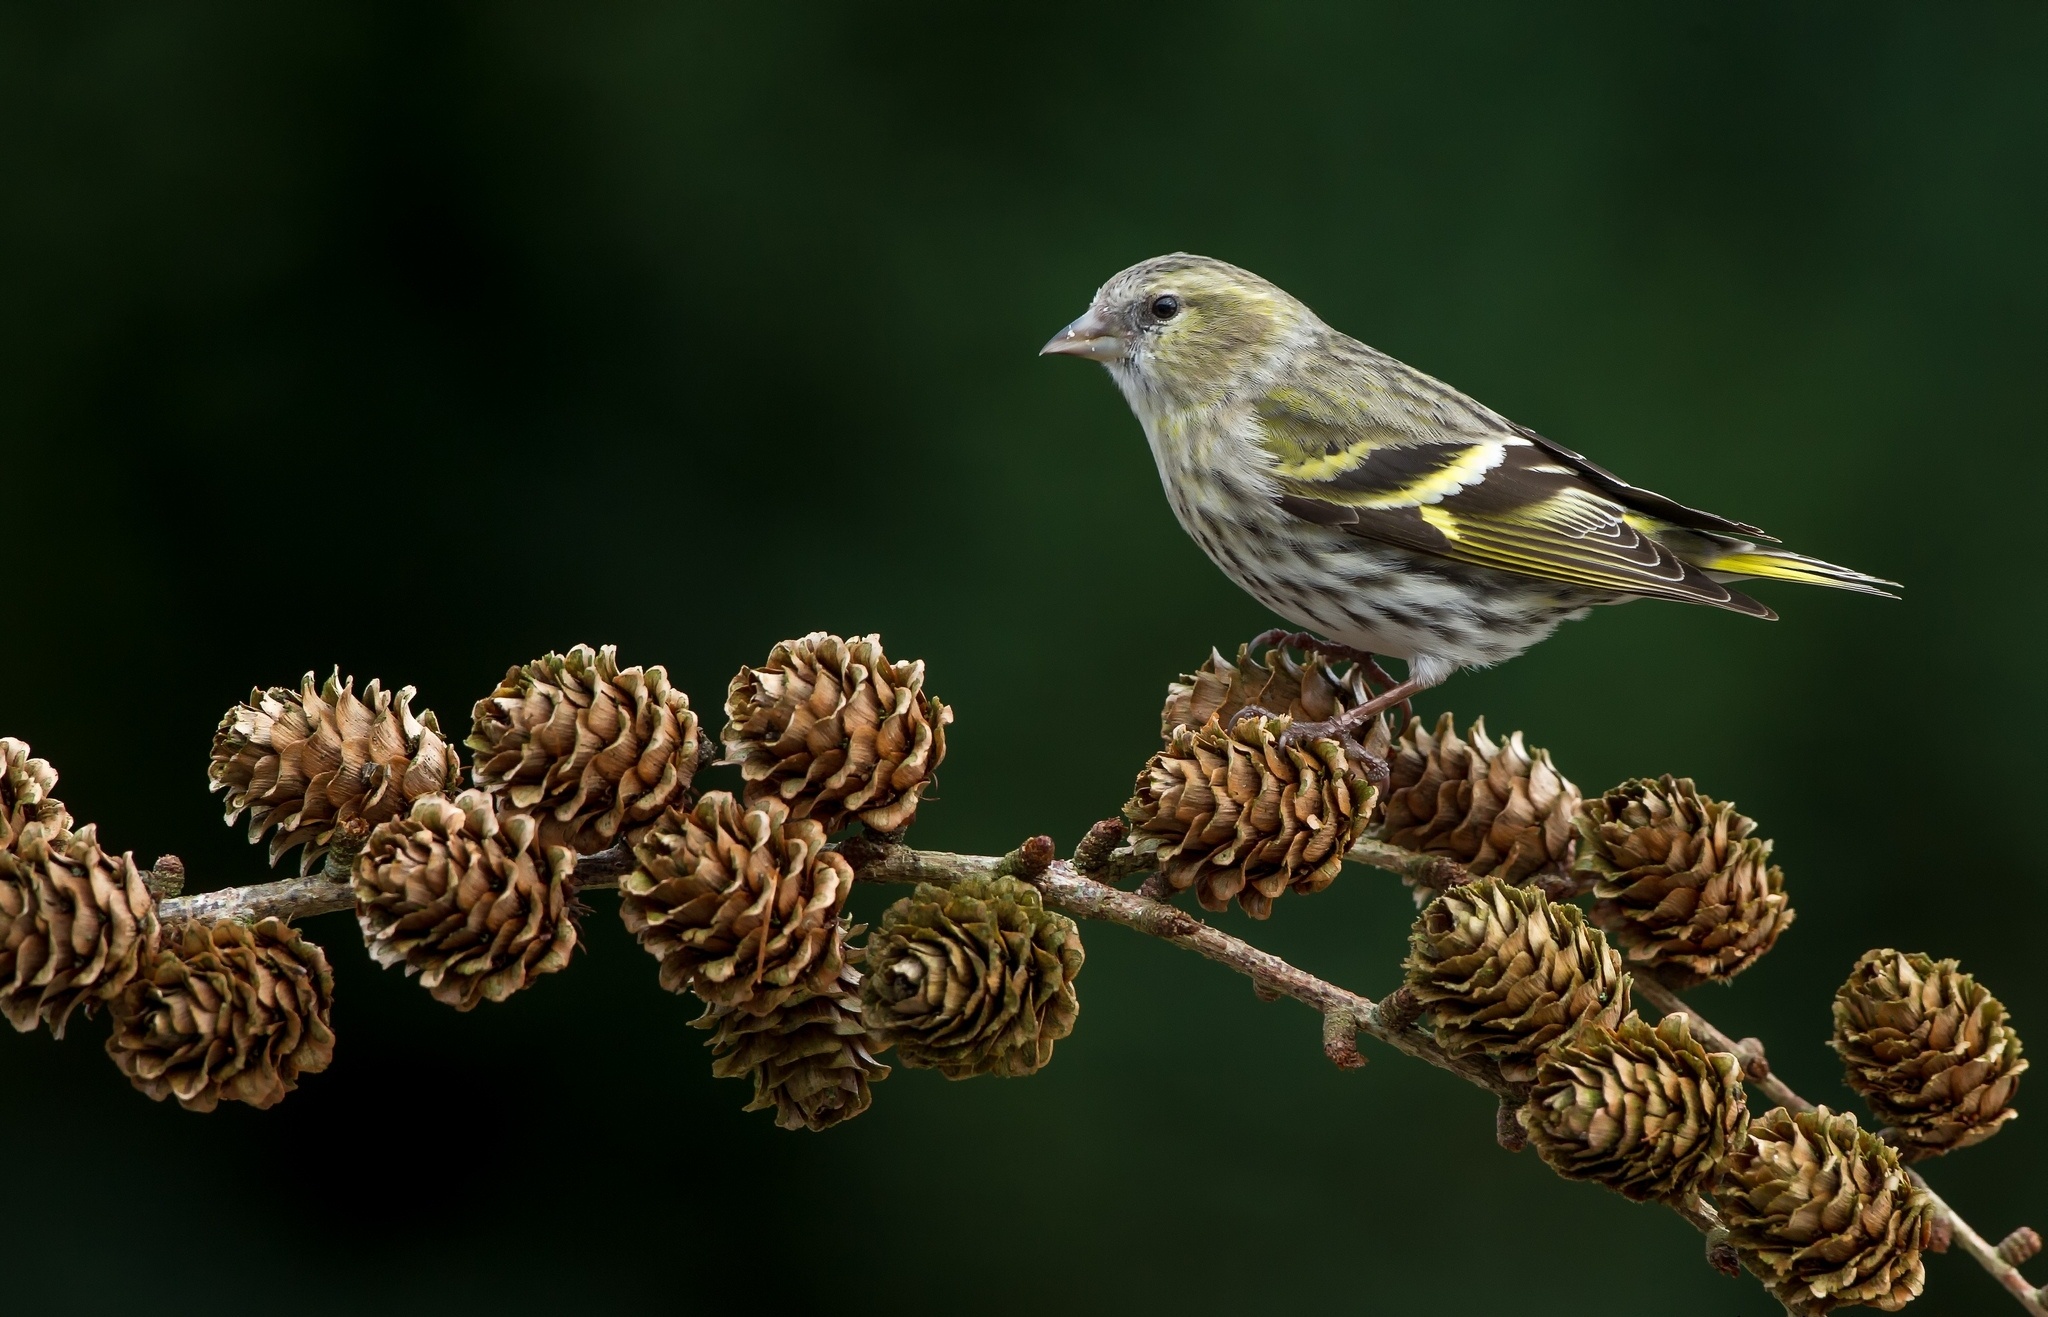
1357, 496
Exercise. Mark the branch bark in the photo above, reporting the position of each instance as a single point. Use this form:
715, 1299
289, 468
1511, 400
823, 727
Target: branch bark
1345, 1014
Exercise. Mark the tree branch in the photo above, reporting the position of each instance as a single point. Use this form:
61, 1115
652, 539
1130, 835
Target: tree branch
1393, 1021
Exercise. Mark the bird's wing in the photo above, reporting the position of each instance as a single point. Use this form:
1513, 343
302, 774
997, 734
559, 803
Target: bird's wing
1664, 509
1498, 500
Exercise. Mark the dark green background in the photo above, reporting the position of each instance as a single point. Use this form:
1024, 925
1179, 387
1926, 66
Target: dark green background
421, 339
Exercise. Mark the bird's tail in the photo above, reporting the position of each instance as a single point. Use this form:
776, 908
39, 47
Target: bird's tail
1777, 565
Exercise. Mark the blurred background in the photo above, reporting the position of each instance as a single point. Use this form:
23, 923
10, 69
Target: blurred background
420, 339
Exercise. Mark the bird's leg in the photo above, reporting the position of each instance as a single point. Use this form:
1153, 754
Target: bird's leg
1344, 727
1369, 663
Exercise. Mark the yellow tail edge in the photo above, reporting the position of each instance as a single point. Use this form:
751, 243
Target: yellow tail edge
1772, 565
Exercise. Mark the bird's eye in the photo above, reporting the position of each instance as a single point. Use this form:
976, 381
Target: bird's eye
1165, 306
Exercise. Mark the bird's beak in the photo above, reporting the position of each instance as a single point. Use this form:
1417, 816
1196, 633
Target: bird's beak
1092, 336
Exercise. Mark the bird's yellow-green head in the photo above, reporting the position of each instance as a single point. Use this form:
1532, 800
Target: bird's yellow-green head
1185, 330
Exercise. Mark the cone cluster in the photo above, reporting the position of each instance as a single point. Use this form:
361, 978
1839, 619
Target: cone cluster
1505, 972
809, 1059
226, 1012
1648, 1112
1230, 811
975, 979
740, 903
1498, 808
1680, 883
467, 899
1310, 690
305, 763
836, 732
595, 752
1823, 1213
1929, 1049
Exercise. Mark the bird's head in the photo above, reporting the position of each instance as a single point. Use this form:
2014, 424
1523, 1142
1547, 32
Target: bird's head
1185, 329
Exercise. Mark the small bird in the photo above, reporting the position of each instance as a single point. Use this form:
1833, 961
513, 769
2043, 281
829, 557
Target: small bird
1355, 495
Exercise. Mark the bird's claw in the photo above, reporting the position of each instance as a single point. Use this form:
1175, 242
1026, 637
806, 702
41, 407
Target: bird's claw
1367, 662
1310, 644
1374, 767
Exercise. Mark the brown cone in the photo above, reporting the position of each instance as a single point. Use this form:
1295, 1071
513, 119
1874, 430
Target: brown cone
466, 899
811, 1059
1682, 886
1500, 809
973, 979
1308, 691
27, 788
1929, 1049
1649, 1113
836, 732
1230, 812
226, 1012
741, 904
1822, 1212
76, 924
306, 763
595, 751
1505, 971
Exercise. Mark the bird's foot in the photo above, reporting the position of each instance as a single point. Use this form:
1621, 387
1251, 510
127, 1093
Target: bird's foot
1367, 754
1330, 649
1309, 643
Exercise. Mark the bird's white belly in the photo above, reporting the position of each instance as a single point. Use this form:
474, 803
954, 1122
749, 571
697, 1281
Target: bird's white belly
1429, 612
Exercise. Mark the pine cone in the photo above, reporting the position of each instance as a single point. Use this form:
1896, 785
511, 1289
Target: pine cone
307, 762
1929, 1049
598, 753
1647, 1112
76, 924
1309, 691
1228, 811
741, 904
1505, 971
810, 1058
1822, 1212
1682, 887
973, 979
26, 793
466, 899
835, 731
1501, 810
226, 1011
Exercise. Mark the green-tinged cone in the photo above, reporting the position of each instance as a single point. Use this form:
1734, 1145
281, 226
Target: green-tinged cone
1929, 1049
1228, 810
467, 899
836, 731
1499, 809
1647, 1112
811, 1059
76, 925
595, 751
973, 979
226, 1012
308, 763
741, 904
1504, 972
1308, 691
1822, 1212
1681, 885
